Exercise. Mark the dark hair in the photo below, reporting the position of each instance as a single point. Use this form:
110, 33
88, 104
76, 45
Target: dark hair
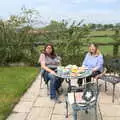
52, 55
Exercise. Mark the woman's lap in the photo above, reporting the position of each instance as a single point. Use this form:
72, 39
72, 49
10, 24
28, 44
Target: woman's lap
88, 79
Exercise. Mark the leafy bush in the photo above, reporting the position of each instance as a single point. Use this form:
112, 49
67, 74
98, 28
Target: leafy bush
69, 39
17, 44
17, 39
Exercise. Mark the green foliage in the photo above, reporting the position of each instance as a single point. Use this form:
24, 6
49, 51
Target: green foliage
68, 39
27, 17
116, 38
17, 38
17, 44
101, 39
101, 32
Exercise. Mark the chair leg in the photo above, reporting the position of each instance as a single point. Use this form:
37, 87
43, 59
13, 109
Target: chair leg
86, 111
41, 79
105, 86
48, 93
66, 109
96, 116
113, 93
97, 82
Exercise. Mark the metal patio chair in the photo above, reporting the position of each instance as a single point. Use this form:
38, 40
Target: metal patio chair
42, 79
113, 75
83, 100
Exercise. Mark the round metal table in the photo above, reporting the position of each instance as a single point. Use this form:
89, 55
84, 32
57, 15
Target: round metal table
68, 77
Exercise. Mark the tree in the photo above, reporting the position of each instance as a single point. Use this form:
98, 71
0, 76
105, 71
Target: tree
117, 26
27, 17
116, 37
68, 39
16, 42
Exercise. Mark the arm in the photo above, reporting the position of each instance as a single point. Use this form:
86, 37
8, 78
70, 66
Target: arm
85, 60
100, 62
42, 62
59, 60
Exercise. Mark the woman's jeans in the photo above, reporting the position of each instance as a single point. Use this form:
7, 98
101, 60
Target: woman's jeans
55, 83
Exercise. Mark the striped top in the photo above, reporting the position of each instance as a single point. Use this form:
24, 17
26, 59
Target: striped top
48, 61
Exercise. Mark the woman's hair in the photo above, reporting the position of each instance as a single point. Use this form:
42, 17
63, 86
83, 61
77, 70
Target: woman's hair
97, 49
52, 55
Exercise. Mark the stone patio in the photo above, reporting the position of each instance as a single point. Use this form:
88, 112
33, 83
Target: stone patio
36, 105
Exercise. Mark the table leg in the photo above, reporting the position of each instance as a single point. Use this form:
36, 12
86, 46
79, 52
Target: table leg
113, 93
96, 112
69, 85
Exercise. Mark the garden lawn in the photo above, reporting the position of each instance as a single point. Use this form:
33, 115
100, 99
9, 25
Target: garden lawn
14, 81
102, 32
101, 40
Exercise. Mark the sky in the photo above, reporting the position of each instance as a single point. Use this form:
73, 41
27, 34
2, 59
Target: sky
91, 11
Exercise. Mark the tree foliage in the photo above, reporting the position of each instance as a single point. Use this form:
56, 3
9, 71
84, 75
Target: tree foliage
16, 44
116, 38
69, 38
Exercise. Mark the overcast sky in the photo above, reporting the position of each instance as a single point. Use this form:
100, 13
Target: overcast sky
97, 11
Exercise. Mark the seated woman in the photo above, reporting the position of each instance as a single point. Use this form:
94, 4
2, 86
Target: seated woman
94, 61
49, 62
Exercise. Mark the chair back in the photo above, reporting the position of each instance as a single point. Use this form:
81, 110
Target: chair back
114, 65
88, 97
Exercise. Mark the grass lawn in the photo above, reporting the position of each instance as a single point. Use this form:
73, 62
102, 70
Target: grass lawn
14, 81
106, 50
102, 40
102, 32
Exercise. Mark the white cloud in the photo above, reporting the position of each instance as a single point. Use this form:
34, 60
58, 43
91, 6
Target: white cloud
96, 16
74, 1
89, 1
64, 9
106, 1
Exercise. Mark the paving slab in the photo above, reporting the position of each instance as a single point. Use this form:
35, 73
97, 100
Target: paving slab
43, 102
111, 118
38, 113
60, 117
43, 92
17, 116
107, 99
23, 107
59, 109
110, 110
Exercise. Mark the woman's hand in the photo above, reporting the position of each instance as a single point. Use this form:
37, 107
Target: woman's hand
53, 72
94, 69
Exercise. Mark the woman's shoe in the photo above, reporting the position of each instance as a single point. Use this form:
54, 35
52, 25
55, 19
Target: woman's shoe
56, 100
59, 91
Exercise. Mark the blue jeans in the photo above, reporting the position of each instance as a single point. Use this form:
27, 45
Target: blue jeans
54, 84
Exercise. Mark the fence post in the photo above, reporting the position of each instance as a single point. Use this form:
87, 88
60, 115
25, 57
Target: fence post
115, 50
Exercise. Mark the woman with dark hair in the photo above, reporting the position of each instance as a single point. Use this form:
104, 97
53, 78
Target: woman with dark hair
94, 61
49, 62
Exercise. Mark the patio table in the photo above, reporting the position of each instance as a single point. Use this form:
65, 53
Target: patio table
68, 77
113, 80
